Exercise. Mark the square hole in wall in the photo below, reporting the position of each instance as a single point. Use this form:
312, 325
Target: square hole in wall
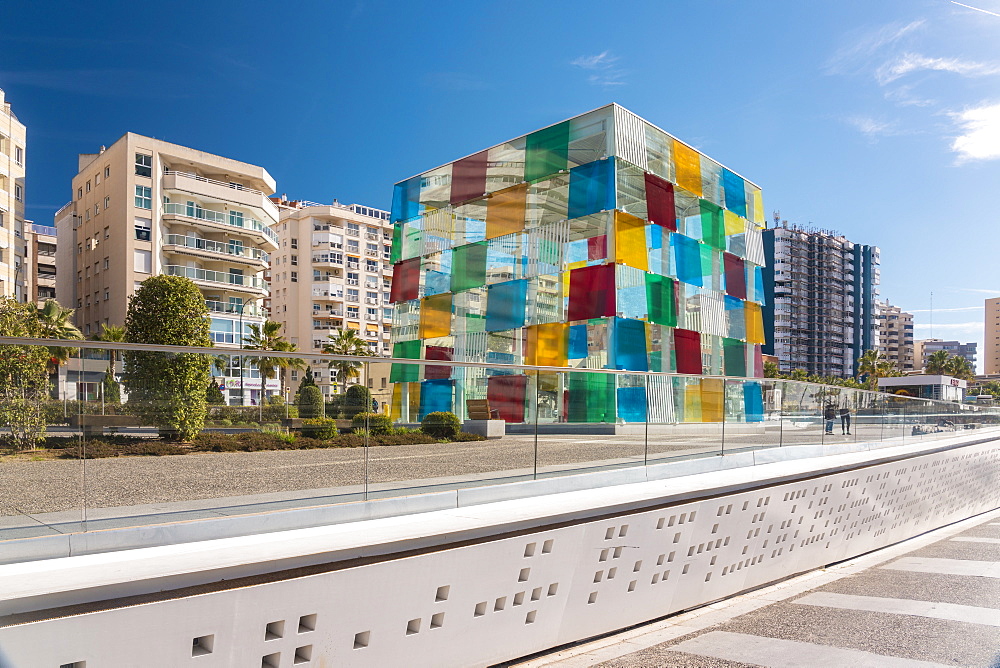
529, 550
530, 617
500, 604
362, 639
547, 546
609, 534
592, 598
413, 626
536, 593
437, 620
202, 645
637, 566
442, 593
303, 654
611, 573
519, 598
480, 609
553, 588
598, 575
623, 531
631, 585
274, 630
524, 575
307, 623
271, 660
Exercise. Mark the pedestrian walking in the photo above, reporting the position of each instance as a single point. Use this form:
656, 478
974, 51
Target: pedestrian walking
845, 421
830, 414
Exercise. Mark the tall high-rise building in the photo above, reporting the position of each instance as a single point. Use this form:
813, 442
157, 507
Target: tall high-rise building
991, 340
926, 347
597, 242
332, 273
13, 142
820, 291
895, 335
144, 207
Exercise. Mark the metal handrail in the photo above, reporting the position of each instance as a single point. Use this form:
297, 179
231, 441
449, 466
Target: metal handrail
215, 246
216, 276
196, 177
201, 213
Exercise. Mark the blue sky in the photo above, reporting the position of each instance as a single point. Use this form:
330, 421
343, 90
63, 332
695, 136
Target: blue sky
877, 119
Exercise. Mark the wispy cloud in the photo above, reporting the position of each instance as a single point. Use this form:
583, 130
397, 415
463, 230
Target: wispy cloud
603, 68
984, 11
872, 128
980, 133
914, 62
861, 46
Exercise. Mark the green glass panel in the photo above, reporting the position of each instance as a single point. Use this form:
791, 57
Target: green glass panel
707, 254
546, 151
591, 397
405, 373
396, 251
468, 266
661, 301
734, 353
713, 228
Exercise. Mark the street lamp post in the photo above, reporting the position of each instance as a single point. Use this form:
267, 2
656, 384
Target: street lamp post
242, 306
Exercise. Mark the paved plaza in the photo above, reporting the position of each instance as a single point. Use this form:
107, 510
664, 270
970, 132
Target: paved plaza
927, 602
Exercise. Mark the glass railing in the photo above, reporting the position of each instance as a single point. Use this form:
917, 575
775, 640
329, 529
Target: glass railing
121, 440
234, 250
251, 310
221, 218
217, 277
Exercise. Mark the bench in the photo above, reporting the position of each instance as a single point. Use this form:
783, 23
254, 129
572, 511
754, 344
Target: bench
483, 420
479, 409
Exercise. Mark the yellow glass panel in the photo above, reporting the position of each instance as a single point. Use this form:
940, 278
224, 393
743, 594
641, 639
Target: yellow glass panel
435, 316
565, 276
506, 211
712, 400
692, 402
758, 208
547, 344
754, 322
630, 241
412, 394
688, 168
733, 222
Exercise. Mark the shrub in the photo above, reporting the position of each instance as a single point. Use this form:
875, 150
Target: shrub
441, 424
411, 437
376, 423
358, 399
275, 400
213, 395
362, 434
311, 403
103, 448
322, 428
464, 436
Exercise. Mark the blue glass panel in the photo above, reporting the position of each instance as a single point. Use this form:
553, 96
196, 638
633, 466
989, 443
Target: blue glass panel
753, 402
758, 285
658, 241
591, 188
687, 259
435, 395
736, 193
577, 342
406, 199
505, 305
632, 404
436, 282
629, 340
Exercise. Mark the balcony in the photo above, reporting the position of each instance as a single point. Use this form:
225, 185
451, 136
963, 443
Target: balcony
251, 310
229, 192
235, 282
203, 247
324, 293
251, 226
328, 258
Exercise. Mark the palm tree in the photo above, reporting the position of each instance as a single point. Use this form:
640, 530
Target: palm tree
959, 367
111, 334
937, 363
873, 365
287, 362
56, 322
267, 336
346, 342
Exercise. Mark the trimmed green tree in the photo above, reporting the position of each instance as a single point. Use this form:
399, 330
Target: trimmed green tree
168, 389
307, 381
213, 395
357, 400
24, 380
310, 402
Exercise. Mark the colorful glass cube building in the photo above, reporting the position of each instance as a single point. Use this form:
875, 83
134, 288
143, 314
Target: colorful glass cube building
599, 242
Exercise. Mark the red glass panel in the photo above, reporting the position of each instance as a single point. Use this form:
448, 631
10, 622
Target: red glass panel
468, 178
597, 247
660, 202
405, 281
687, 345
736, 278
506, 396
592, 292
438, 353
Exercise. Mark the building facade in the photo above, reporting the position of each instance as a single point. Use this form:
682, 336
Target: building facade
13, 144
332, 272
927, 347
144, 207
820, 292
598, 242
991, 340
895, 335
40, 262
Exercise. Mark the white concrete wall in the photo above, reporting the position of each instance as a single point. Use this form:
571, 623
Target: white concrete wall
556, 569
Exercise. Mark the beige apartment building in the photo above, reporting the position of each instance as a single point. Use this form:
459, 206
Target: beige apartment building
991, 340
144, 207
895, 335
332, 272
40, 262
13, 142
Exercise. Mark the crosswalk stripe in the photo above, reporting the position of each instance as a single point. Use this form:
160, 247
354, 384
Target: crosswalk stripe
985, 569
904, 606
780, 653
977, 539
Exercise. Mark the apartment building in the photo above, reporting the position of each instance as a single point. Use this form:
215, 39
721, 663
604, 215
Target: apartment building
332, 272
144, 207
13, 142
924, 348
821, 288
40, 262
991, 340
895, 335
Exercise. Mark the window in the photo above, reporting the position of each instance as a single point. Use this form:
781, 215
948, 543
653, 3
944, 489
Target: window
19, 193
107, 171
143, 165
107, 262
88, 186
295, 242
144, 197
19, 155
97, 209
295, 277
107, 202
107, 232
97, 179
143, 261
352, 294
88, 214
79, 249
79, 193
107, 295
143, 229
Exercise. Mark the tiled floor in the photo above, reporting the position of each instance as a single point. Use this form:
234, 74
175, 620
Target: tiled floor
931, 601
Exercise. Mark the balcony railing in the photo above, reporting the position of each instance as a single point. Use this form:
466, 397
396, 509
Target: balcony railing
251, 310
222, 277
196, 177
220, 218
234, 250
